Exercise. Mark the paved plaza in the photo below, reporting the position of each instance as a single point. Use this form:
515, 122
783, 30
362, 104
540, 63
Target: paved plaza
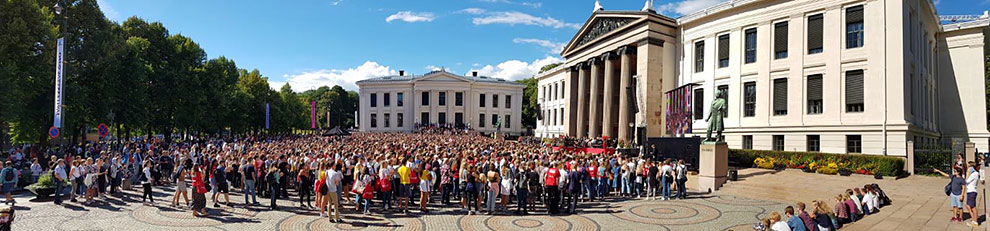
917, 205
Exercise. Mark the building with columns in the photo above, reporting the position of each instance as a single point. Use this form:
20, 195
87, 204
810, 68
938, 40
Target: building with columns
401, 103
845, 76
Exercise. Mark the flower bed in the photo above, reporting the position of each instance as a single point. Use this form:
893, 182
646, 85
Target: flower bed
824, 163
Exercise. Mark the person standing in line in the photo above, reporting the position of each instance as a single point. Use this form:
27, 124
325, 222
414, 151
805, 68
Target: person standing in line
249, 178
667, 175
681, 179
273, 178
334, 178
60, 177
575, 179
180, 189
220, 177
425, 187
971, 192
320, 187
522, 188
146, 183
304, 185
491, 178
199, 191
385, 184
403, 191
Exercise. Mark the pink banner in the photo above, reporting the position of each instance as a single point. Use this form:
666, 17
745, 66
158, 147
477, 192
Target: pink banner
586, 150
312, 114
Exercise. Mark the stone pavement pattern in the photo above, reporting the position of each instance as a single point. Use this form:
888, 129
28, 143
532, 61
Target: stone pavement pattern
918, 205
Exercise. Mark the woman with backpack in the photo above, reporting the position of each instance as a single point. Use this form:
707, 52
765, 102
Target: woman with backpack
681, 179
667, 175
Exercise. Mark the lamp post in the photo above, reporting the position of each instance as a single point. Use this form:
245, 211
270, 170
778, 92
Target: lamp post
59, 66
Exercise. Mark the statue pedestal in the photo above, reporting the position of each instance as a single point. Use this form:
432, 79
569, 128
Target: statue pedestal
713, 166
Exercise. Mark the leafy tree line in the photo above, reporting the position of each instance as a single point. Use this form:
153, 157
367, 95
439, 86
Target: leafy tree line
137, 78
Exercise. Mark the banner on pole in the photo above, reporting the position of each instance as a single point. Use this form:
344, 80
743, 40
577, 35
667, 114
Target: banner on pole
312, 114
267, 115
57, 121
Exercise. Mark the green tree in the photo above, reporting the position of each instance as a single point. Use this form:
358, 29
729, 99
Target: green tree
27, 55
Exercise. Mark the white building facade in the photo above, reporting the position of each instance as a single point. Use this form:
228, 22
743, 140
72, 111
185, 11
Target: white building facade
402, 103
845, 76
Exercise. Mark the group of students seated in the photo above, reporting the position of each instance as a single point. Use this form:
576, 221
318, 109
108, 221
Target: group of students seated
850, 206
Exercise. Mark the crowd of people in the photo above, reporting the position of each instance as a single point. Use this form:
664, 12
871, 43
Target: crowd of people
847, 207
363, 172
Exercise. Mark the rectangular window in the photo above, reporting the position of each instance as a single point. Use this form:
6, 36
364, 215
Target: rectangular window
508, 101
750, 99
442, 98
508, 121
815, 27
387, 120
699, 56
814, 143
398, 99
388, 99
780, 40
725, 90
854, 144
778, 142
481, 120
494, 101
854, 27
441, 118
426, 98
751, 45
780, 96
374, 100
459, 119
374, 120
494, 119
747, 142
815, 104
481, 100
458, 99
425, 119
854, 91
398, 120
699, 104
723, 51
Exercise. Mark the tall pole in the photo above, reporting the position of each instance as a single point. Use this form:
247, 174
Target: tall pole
59, 68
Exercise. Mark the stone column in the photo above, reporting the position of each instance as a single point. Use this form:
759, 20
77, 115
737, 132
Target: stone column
582, 100
625, 84
595, 112
610, 108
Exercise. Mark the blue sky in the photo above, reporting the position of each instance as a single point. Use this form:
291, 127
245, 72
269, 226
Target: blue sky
311, 43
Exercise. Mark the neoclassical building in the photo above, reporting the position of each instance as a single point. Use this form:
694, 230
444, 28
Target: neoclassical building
403, 102
843, 76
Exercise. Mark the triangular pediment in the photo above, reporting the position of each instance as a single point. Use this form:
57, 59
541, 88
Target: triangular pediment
599, 24
442, 76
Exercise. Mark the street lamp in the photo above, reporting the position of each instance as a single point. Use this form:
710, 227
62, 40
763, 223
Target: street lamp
58, 8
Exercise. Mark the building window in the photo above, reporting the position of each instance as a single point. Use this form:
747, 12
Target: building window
751, 45
780, 96
458, 99
854, 27
508, 101
563, 86
725, 90
374, 100
442, 98
425, 116
747, 142
508, 121
814, 143
388, 99
854, 91
426, 98
699, 103
780, 40
560, 114
494, 120
699, 56
750, 99
778, 142
481, 101
398, 99
494, 101
481, 120
815, 27
398, 120
387, 120
441, 118
854, 144
554, 92
815, 104
374, 120
723, 51
459, 119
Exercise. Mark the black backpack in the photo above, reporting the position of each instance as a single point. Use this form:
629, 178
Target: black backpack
10, 175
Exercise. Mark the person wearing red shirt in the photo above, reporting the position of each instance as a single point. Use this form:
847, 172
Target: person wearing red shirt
553, 191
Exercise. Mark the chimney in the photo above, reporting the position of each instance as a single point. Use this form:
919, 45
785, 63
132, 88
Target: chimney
474, 73
402, 73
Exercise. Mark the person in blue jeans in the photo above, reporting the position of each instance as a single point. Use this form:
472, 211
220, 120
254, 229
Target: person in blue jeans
667, 177
249, 189
60, 177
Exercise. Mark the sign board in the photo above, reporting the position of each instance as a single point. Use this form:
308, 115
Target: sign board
53, 132
103, 130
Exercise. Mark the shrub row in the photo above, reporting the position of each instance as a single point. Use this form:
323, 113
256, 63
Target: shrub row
825, 163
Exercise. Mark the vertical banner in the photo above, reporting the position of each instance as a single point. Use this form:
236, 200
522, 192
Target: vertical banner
356, 119
312, 114
57, 121
267, 115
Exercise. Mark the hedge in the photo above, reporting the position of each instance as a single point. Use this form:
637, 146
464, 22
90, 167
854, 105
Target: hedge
825, 163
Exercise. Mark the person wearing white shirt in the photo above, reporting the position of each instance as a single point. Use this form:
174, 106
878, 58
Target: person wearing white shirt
971, 192
333, 180
868, 201
35, 170
777, 223
60, 177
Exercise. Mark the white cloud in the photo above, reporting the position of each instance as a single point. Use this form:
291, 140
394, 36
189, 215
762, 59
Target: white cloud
687, 6
437, 68
515, 17
409, 16
529, 4
553, 46
329, 77
515, 69
472, 11
108, 10
335, 2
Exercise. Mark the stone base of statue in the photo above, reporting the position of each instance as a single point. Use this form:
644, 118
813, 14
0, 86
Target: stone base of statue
713, 166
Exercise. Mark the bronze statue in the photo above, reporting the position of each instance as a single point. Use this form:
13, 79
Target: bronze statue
715, 118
